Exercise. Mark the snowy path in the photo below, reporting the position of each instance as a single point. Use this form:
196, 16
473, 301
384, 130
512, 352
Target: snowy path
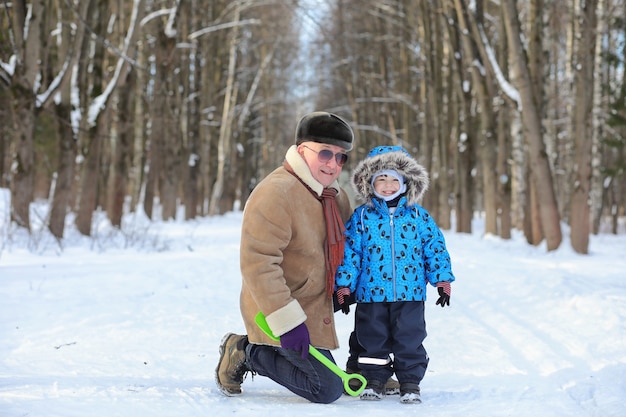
136, 333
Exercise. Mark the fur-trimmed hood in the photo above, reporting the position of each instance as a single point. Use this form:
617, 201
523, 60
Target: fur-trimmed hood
390, 157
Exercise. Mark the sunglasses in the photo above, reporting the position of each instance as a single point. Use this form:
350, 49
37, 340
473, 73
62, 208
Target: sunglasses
325, 155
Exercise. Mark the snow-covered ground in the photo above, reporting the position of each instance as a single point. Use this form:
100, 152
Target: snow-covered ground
128, 324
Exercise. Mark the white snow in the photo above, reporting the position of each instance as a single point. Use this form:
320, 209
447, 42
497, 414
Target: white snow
506, 87
128, 324
9, 67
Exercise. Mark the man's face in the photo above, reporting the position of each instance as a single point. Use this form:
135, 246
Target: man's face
325, 167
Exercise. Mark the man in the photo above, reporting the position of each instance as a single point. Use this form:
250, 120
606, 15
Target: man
291, 245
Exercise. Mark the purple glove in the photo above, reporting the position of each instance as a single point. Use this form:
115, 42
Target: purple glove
297, 339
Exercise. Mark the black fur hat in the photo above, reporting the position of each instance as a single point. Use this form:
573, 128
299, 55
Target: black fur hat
324, 127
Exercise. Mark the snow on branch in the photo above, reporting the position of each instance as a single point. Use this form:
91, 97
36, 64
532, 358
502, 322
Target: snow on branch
9, 67
506, 87
56, 82
170, 30
99, 102
154, 15
228, 25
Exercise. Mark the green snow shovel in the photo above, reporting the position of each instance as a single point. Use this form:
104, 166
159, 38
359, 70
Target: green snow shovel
345, 377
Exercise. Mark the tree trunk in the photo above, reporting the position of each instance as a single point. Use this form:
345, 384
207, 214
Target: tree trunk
461, 131
465, 162
486, 140
442, 133
136, 186
91, 138
156, 144
504, 175
122, 155
63, 191
89, 182
96, 107
170, 132
601, 106
223, 146
65, 171
29, 43
583, 132
539, 164
194, 161
427, 122
191, 117
503, 172
5, 142
536, 234
23, 186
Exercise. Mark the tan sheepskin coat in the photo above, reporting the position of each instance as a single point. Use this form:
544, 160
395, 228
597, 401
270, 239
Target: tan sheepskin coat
282, 256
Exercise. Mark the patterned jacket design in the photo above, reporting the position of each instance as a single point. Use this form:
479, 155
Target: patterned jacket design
392, 256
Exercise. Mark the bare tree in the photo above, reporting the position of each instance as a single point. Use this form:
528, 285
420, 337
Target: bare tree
539, 164
461, 122
95, 105
190, 112
482, 84
29, 40
583, 80
62, 194
223, 143
214, 88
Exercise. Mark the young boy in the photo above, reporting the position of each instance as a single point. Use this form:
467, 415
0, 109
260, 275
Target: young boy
393, 249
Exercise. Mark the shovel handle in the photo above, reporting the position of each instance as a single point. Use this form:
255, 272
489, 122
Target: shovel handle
345, 377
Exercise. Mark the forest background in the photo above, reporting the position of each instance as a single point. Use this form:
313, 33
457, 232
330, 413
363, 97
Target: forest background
516, 108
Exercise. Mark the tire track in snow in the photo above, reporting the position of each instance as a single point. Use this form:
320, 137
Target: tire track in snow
508, 314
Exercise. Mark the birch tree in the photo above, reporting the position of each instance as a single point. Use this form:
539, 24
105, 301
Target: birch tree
223, 146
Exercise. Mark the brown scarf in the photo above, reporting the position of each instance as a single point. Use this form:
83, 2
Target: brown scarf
333, 247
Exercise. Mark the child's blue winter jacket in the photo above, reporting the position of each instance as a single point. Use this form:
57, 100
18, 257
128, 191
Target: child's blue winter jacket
390, 257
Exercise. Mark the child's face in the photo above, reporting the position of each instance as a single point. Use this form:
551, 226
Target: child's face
386, 185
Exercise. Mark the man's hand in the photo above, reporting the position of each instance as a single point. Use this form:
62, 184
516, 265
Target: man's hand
297, 339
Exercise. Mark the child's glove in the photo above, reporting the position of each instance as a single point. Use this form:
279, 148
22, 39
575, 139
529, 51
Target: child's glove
342, 298
297, 339
444, 290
